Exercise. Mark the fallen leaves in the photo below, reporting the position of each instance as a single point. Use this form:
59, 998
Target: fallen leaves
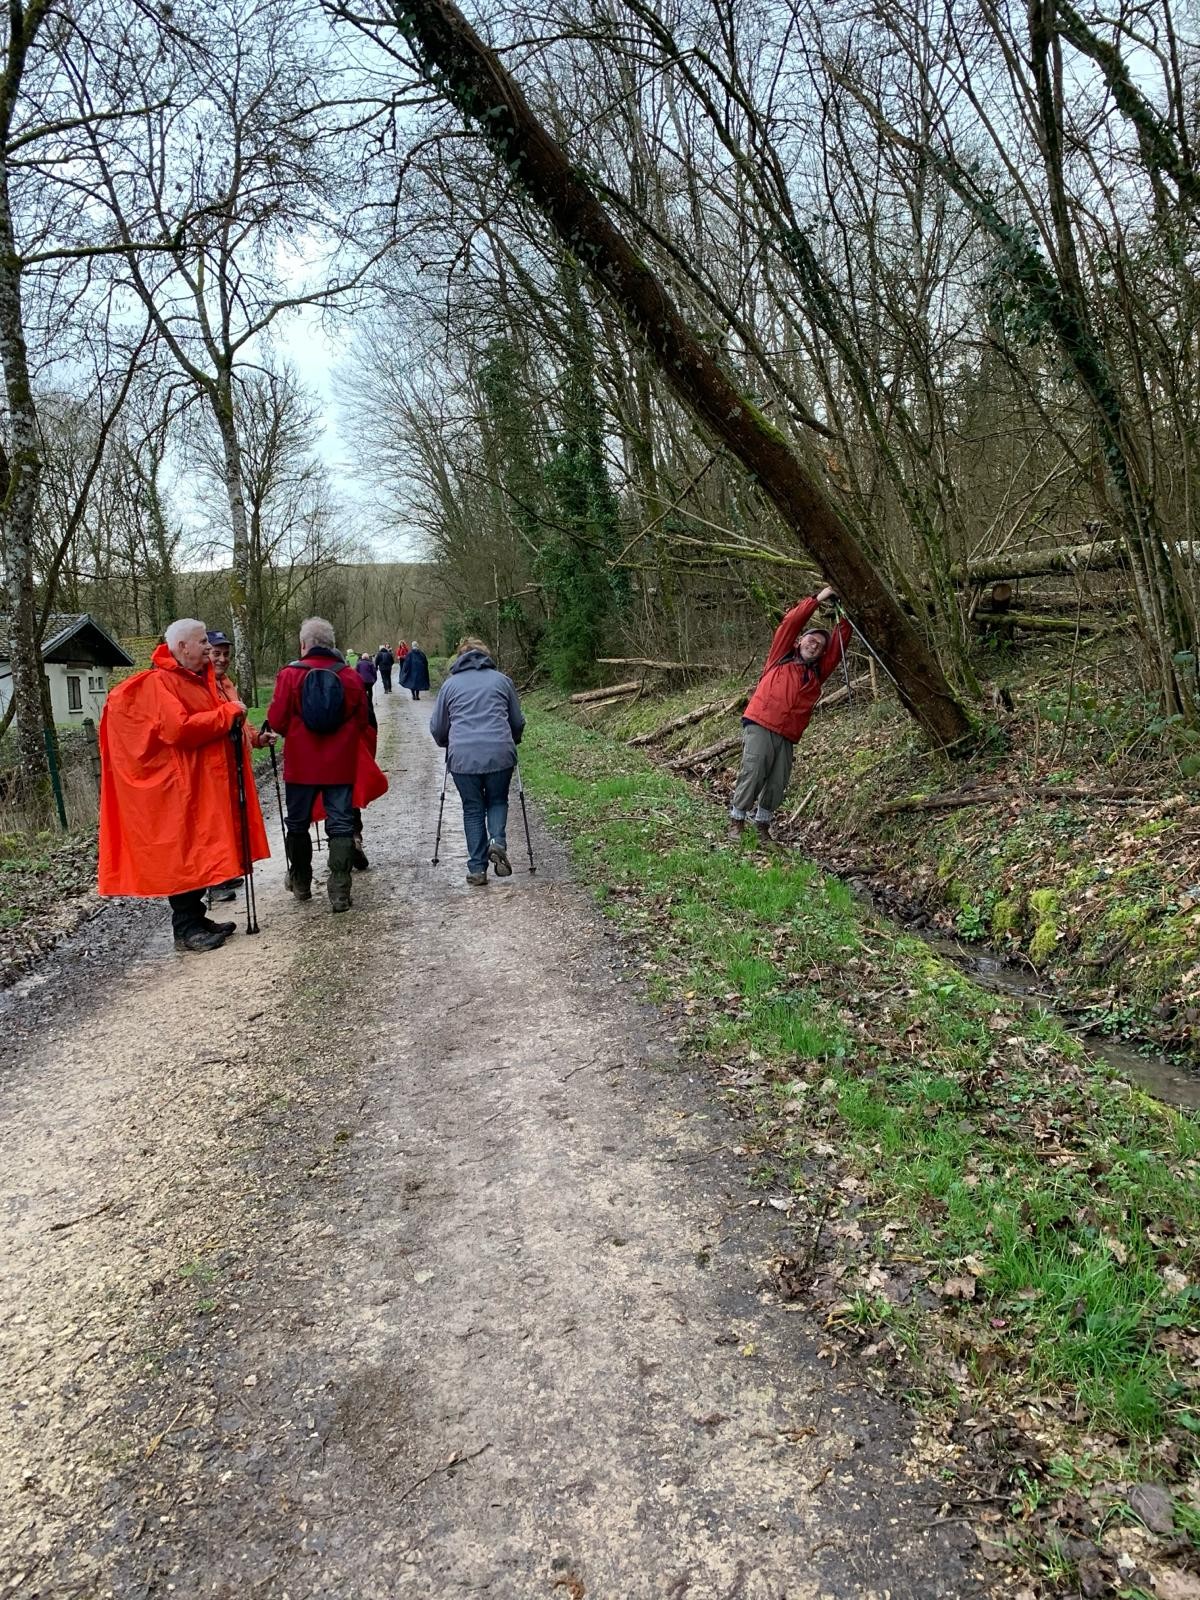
957, 1289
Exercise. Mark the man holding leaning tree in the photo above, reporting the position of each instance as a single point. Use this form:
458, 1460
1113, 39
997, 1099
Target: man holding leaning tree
800, 659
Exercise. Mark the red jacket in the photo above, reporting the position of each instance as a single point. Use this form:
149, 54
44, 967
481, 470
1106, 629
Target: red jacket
169, 815
789, 689
370, 781
318, 757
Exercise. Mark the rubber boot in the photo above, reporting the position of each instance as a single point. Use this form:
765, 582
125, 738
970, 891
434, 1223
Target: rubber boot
300, 864
341, 860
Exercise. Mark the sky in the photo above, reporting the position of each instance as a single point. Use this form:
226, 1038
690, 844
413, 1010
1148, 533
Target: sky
316, 354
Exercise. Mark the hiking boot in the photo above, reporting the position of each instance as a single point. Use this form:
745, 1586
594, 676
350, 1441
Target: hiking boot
498, 856
200, 938
224, 891
299, 877
765, 839
223, 928
341, 860
737, 827
358, 858
478, 879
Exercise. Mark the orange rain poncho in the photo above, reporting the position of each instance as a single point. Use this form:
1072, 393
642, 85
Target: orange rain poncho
169, 819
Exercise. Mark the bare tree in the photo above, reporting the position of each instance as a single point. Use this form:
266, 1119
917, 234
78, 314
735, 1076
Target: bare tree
246, 181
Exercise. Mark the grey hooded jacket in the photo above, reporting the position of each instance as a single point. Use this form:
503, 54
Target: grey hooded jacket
477, 716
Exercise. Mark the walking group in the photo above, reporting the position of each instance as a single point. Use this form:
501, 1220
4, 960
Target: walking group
179, 810
410, 659
180, 816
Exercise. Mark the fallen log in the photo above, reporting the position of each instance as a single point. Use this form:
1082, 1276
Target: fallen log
714, 708
614, 689
658, 666
698, 758
987, 794
710, 752
1097, 555
1034, 622
610, 700
840, 696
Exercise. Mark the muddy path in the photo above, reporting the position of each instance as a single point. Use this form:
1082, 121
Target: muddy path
394, 1254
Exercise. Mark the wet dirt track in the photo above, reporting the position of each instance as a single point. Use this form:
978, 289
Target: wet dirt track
393, 1255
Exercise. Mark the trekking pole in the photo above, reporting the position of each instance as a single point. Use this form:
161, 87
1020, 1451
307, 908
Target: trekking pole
525, 817
441, 808
287, 855
839, 614
235, 736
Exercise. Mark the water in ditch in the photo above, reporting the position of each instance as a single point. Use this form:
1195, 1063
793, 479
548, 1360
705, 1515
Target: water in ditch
1155, 1073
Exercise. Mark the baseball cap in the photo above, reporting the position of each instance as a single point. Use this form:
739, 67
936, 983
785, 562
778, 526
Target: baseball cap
215, 636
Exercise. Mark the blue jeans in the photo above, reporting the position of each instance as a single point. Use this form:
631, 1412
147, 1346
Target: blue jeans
485, 812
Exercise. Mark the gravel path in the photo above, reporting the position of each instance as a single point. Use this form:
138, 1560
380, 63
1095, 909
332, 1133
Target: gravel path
394, 1255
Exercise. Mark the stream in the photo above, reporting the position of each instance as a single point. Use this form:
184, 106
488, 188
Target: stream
1149, 1069
1155, 1073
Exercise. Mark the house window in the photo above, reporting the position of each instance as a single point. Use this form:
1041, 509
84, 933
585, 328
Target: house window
95, 685
74, 697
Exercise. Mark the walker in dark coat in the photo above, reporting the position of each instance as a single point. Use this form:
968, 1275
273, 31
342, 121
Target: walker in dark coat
414, 674
383, 662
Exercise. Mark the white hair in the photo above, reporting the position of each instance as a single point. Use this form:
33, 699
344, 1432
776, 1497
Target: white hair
413, 645
316, 631
176, 632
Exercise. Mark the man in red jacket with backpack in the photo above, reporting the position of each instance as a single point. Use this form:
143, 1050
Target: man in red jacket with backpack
320, 708
799, 661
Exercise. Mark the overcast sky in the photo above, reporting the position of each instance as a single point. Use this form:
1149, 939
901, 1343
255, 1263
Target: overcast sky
314, 352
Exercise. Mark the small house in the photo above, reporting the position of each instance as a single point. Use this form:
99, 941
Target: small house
79, 657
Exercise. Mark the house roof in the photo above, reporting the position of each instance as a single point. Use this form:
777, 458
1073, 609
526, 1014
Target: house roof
140, 647
72, 636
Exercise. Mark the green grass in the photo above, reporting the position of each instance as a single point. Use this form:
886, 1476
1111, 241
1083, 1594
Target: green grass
982, 1139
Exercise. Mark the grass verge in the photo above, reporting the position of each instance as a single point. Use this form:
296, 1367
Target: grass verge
986, 1213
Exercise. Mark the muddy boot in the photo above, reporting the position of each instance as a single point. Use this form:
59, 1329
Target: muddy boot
359, 856
341, 861
737, 827
300, 864
764, 839
199, 938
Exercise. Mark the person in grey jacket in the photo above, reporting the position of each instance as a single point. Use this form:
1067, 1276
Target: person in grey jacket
477, 720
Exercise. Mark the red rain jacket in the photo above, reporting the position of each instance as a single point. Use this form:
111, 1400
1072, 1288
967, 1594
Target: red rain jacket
169, 818
370, 780
789, 689
318, 757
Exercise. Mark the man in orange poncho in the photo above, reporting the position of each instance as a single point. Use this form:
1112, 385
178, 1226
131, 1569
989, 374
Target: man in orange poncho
169, 818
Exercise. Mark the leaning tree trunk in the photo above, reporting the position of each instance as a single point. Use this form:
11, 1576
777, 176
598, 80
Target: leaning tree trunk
460, 66
17, 511
239, 572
